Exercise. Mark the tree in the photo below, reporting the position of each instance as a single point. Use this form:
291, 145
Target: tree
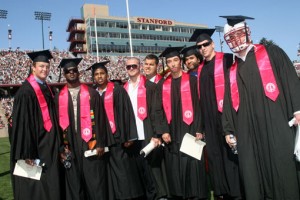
266, 42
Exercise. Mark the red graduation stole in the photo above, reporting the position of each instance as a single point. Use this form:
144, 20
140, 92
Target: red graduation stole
266, 75
42, 102
141, 98
218, 78
109, 106
85, 117
185, 93
157, 78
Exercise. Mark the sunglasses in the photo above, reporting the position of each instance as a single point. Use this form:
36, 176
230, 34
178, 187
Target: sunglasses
67, 71
203, 45
128, 67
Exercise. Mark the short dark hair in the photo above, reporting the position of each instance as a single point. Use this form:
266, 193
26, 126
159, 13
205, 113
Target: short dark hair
152, 57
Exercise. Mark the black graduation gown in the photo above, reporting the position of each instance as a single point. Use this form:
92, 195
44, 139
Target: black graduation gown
29, 140
265, 141
86, 179
222, 163
123, 176
186, 176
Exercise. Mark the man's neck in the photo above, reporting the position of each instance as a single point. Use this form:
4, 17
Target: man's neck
134, 79
150, 76
73, 85
102, 86
176, 74
210, 57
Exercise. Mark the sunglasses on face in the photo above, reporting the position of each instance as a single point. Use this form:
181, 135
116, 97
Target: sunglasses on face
128, 67
67, 71
203, 45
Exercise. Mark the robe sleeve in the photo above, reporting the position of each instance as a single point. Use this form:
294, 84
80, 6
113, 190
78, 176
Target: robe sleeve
26, 125
160, 121
287, 76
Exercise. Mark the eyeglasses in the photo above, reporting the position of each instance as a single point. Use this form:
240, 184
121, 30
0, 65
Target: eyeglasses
67, 71
134, 66
206, 44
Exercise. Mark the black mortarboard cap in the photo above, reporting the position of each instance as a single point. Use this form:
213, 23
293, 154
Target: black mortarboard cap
69, 62
98, 65
40, 56
188, 51
200, 35
171, 52
232, 20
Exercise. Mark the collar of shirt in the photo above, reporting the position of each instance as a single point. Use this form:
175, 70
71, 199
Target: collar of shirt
246, 53
39, 80
101, 92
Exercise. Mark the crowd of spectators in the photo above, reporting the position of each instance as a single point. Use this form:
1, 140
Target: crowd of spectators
15, 65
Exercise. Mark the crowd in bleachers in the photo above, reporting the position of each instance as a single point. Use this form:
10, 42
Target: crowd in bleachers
15, 65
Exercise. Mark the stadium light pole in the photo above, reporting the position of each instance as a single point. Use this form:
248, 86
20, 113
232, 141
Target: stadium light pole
42, 16
129, 28
3, 14
50, 38
220, 29
9, 37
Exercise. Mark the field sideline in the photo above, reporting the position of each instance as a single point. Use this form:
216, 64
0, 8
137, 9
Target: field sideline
5, 184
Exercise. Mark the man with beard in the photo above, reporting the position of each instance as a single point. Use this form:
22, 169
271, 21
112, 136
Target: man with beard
212, 74
178, 96
82, 121
123, 177
191, 59
262, 98
35, 133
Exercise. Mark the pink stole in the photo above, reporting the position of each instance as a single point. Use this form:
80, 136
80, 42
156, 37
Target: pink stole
109, 106
42, 102
219, 80
141, 98
266, 75
85, 118
157, 78
186, 99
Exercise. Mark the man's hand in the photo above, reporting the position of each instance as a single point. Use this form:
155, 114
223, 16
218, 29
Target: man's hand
297, 119
29, 162
166, 138
199, 136
156, 141
128, 144
230, 141
100, 151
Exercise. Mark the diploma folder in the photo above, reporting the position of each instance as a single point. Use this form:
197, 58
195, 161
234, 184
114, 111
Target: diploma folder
191, 146
27, 171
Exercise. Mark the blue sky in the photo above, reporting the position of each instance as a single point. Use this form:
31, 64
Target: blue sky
276, 20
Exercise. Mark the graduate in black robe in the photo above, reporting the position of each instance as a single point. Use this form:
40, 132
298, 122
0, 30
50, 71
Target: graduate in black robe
124, 181
222, 162
30, 139
146, 131
265, 142
186, 175
86, 177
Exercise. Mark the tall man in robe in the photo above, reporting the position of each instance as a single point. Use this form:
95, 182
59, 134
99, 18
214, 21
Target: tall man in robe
178, 96
263, 96
82, 121
212, 75
142, 95
123, 176
35, 133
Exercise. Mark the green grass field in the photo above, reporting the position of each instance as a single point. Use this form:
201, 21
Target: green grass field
5, 183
